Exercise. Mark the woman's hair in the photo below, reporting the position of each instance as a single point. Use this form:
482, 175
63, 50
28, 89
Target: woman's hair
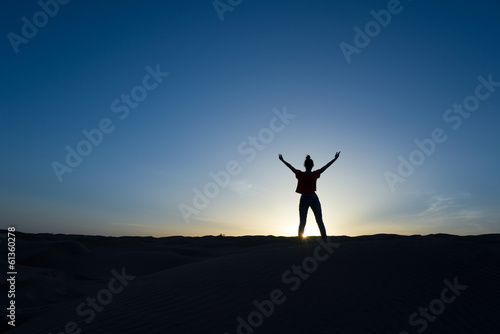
308, 163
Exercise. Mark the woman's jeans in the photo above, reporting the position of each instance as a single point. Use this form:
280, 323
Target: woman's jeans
311, 201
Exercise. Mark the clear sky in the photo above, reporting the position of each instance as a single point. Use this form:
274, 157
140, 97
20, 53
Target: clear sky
116, 116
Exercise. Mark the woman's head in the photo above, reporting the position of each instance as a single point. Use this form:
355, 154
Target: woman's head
308, 163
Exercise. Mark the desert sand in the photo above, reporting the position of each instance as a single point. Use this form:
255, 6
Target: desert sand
254, 284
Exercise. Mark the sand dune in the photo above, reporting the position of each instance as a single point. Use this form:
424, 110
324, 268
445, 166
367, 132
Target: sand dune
256, 284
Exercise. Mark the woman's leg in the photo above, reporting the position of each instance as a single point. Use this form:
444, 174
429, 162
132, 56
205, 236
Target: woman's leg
303, 207
316, 207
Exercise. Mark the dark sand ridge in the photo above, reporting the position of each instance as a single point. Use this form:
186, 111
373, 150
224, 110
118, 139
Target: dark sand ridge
369, 284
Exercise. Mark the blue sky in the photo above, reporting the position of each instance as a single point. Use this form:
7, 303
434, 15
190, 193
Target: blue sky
220, 83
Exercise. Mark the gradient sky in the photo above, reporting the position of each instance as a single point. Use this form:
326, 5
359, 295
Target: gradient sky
227, 80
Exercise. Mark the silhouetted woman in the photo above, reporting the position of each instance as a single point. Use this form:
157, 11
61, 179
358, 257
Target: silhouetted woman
306, 186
